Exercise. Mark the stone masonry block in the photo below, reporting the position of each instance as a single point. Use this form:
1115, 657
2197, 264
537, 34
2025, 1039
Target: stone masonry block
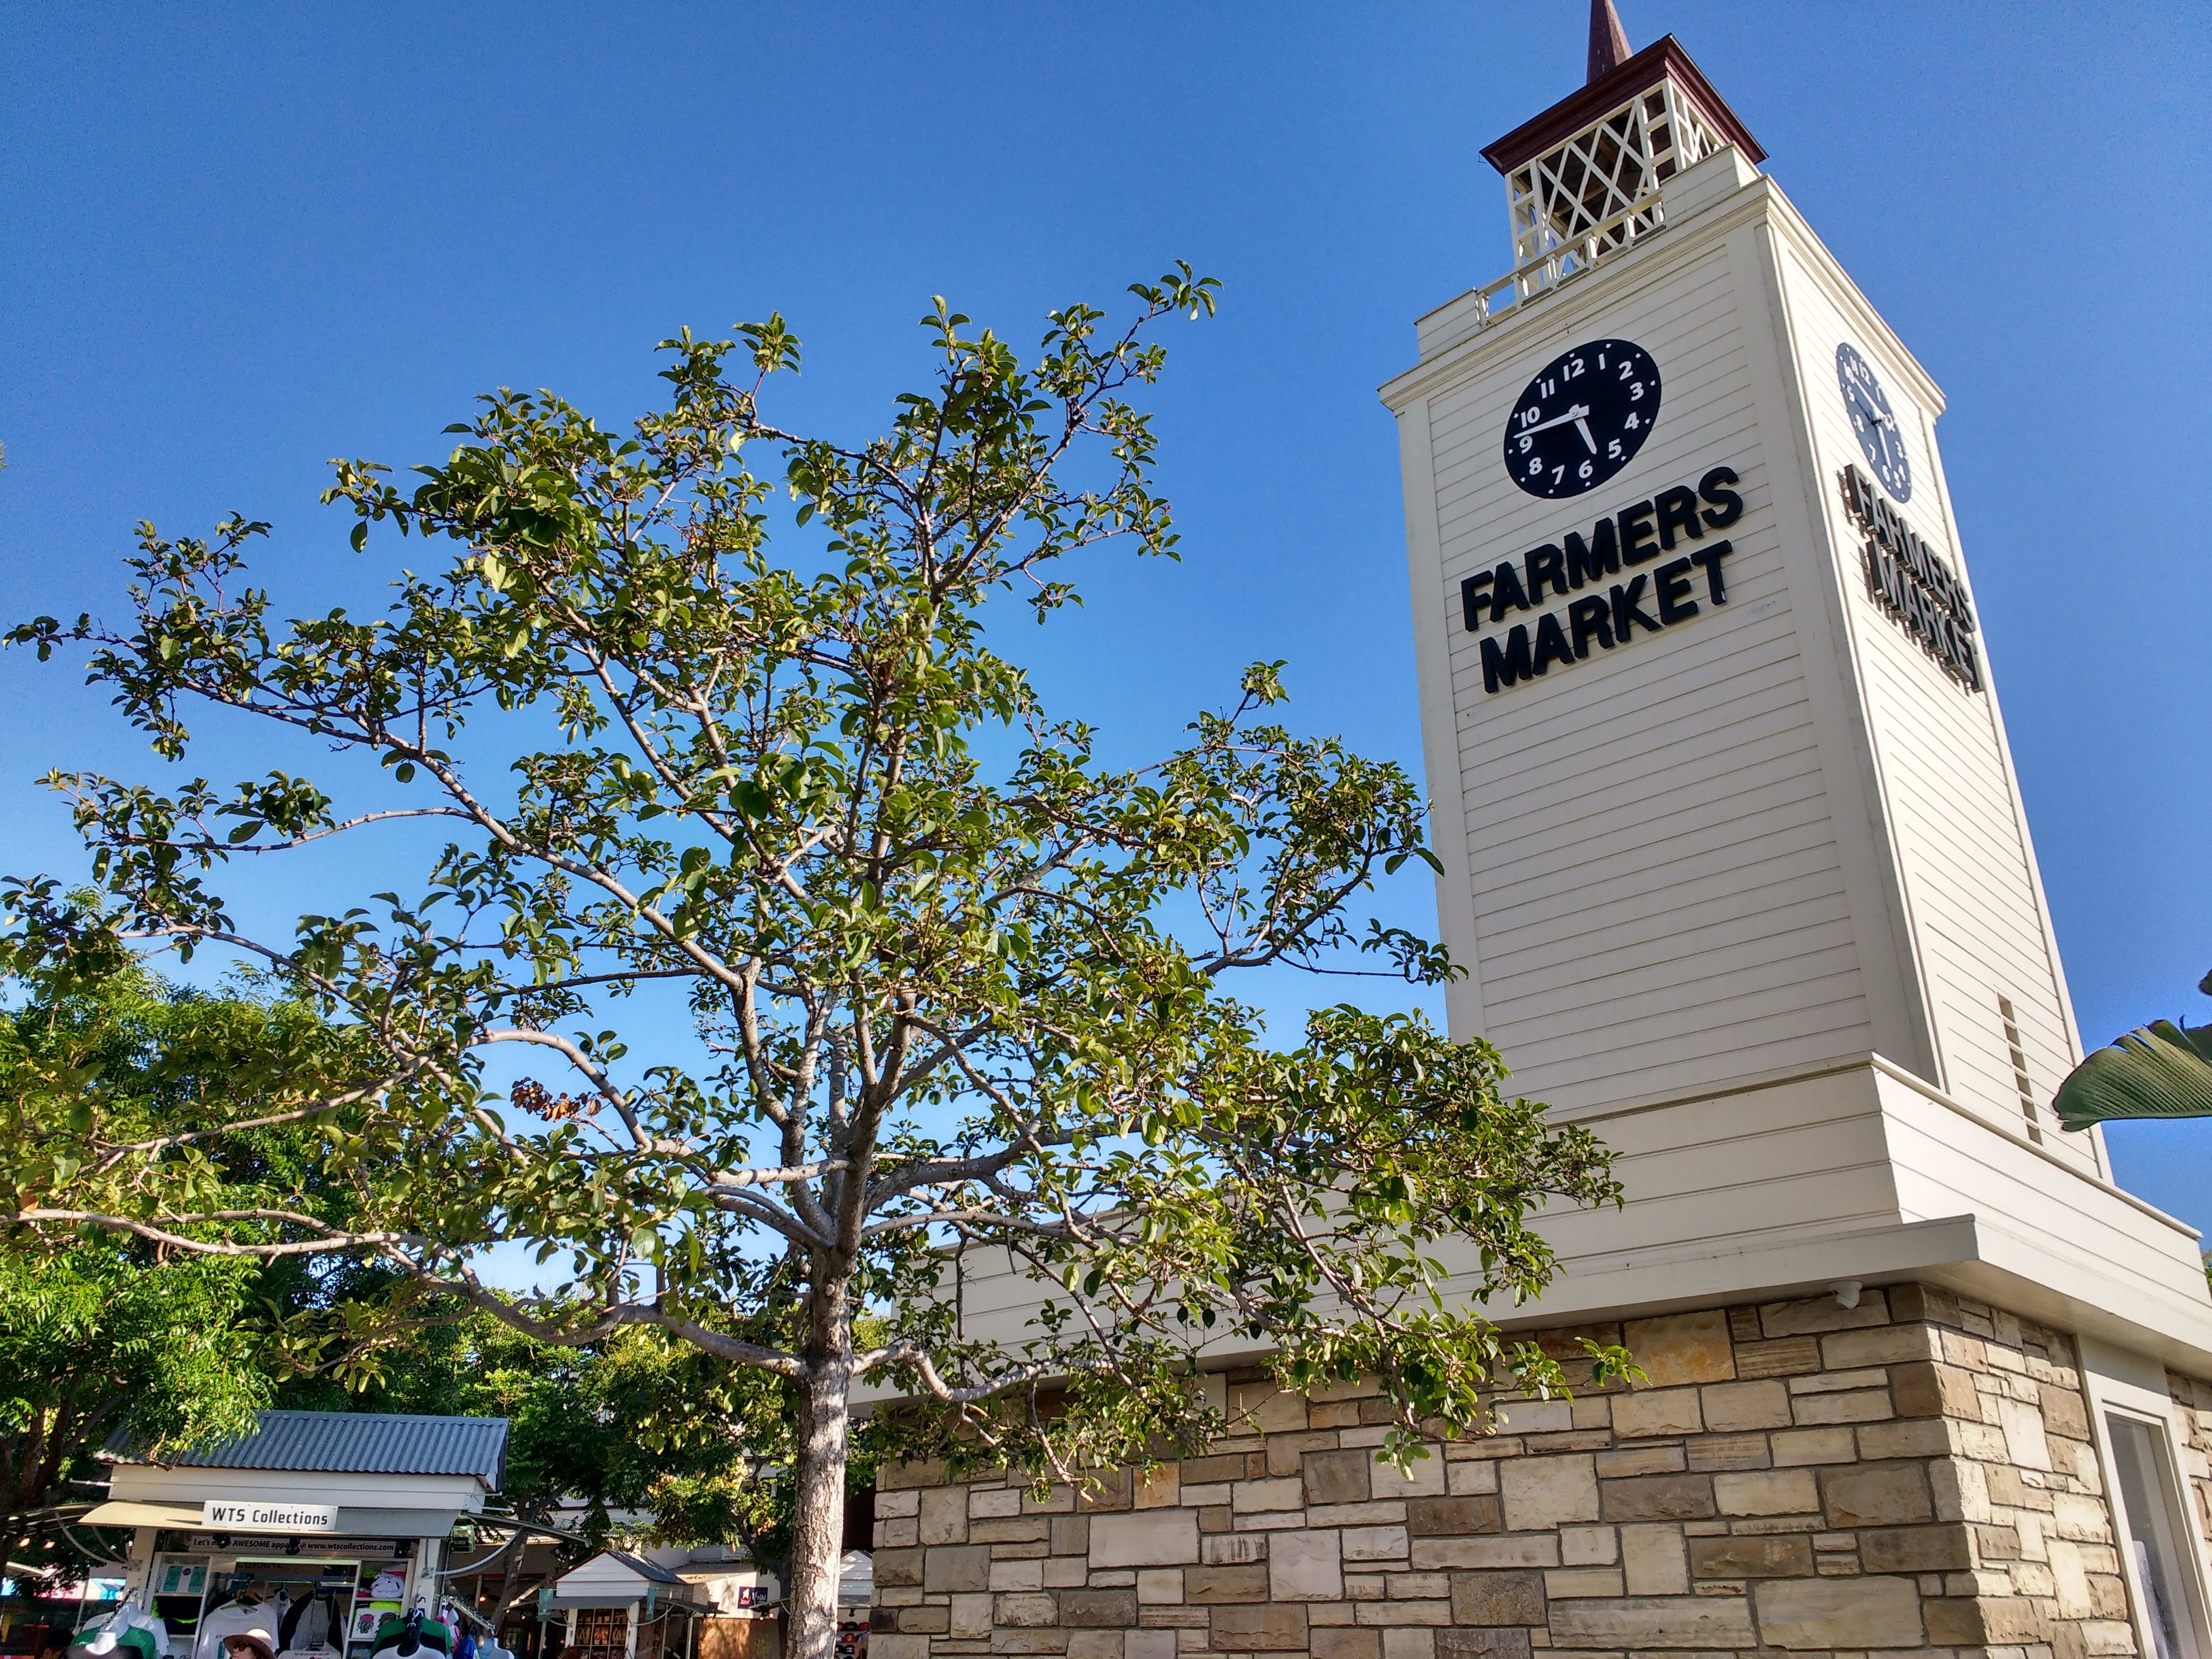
1691, 1347
921, 1621
1700, 1622
1818, 1314
1265, 1628
1144, 1538
944, 1516
1047, 1639
890, 1504
1540, 1549
1498, 1598
1263, 1409
1016, 1575
1453, 1643
1444, 1517
1767, 1491
1876, 1495
1885, 1345
895, 1568
992, 1500
1306, 1566
957, 1567
1403, 1644
1345, 1641
1928, 1437
1793, 1356
1852, 1405
1230, 1549
1780, 1555
970, 1617
1026, 1610
1338, 1477
1095, 1643
1653, 1561
1225, 1586
1986, 1621
1946, 1548
1540, 1492
1375, 1543
1424, 1479
1656, 1411
1653, 1497
1840, 1612
1098, 1609
1251, 1497
2063, 1412
1925, 1388
1735, 1407
1729, 1451
899, 1647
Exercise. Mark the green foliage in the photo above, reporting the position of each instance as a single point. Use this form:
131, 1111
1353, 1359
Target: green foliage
2158, 1070
961, 991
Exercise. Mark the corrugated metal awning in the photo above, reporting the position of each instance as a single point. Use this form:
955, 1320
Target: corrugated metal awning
346, 1442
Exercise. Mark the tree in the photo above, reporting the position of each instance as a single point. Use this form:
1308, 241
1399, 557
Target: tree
959, 987
104, 1332
2158, 1070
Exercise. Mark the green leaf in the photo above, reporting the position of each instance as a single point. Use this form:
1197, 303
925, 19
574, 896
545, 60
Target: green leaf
2158, 1070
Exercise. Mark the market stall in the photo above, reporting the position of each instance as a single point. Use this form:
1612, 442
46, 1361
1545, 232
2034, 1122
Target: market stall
620, 1605
330, 1527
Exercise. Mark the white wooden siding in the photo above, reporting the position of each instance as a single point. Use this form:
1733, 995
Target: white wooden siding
1960, 842
1658, 900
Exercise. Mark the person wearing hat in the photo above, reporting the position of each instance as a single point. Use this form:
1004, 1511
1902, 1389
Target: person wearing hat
255, 1641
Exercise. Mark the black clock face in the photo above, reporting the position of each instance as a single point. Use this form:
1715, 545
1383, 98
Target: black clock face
1582, 418
1880, 436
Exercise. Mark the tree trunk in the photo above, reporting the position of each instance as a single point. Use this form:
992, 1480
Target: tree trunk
817, 1530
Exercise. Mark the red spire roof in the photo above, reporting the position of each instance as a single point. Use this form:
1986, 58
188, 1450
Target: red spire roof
1608, 47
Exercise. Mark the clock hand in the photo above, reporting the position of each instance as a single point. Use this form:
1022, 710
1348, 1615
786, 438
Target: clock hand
1583, 427
1578, 412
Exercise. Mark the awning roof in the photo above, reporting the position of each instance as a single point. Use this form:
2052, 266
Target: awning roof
346, 1442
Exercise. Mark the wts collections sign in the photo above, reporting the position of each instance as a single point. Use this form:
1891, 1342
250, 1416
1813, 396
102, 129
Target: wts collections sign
255, 1516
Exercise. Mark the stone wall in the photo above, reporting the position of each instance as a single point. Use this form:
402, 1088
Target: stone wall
1912, 1472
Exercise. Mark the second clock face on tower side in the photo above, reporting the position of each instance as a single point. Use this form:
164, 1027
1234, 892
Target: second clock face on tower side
1582, 418
1880, 438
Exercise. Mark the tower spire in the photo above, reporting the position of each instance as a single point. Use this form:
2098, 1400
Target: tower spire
1608, 41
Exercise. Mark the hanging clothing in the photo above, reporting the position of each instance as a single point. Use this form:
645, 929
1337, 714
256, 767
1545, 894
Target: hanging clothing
232, 1619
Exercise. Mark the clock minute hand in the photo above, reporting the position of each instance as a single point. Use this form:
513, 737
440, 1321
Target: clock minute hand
1577, 414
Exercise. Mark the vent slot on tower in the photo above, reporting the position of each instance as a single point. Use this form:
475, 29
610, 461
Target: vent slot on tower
2027, 1110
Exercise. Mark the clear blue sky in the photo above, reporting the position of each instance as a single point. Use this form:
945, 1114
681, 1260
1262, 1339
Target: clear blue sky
234, 242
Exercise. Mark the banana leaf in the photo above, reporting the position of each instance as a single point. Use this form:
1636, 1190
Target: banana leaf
2158, 1070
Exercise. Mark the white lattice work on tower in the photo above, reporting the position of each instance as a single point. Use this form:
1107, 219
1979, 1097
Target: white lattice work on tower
1614, 165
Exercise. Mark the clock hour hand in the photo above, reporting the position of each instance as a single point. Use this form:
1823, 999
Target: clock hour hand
1583, 427
1578, 415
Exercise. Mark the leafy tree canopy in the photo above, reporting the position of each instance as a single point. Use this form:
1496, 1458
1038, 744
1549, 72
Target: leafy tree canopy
962, 990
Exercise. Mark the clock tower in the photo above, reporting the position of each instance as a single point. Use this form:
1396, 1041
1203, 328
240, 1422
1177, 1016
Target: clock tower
1734, 856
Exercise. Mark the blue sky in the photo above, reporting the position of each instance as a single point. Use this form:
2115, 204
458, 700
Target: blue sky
237, 241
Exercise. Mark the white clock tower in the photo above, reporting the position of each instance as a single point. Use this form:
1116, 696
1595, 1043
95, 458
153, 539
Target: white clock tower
1735, 854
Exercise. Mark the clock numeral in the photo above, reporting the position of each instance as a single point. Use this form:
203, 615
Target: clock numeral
1526, 443
1535, 466
1586, 471
1628, 371
1558, 473
1630, 423
1636, 392
1613, 449
1573, 368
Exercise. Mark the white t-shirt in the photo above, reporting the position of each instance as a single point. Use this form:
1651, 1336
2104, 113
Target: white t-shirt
228, 1621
